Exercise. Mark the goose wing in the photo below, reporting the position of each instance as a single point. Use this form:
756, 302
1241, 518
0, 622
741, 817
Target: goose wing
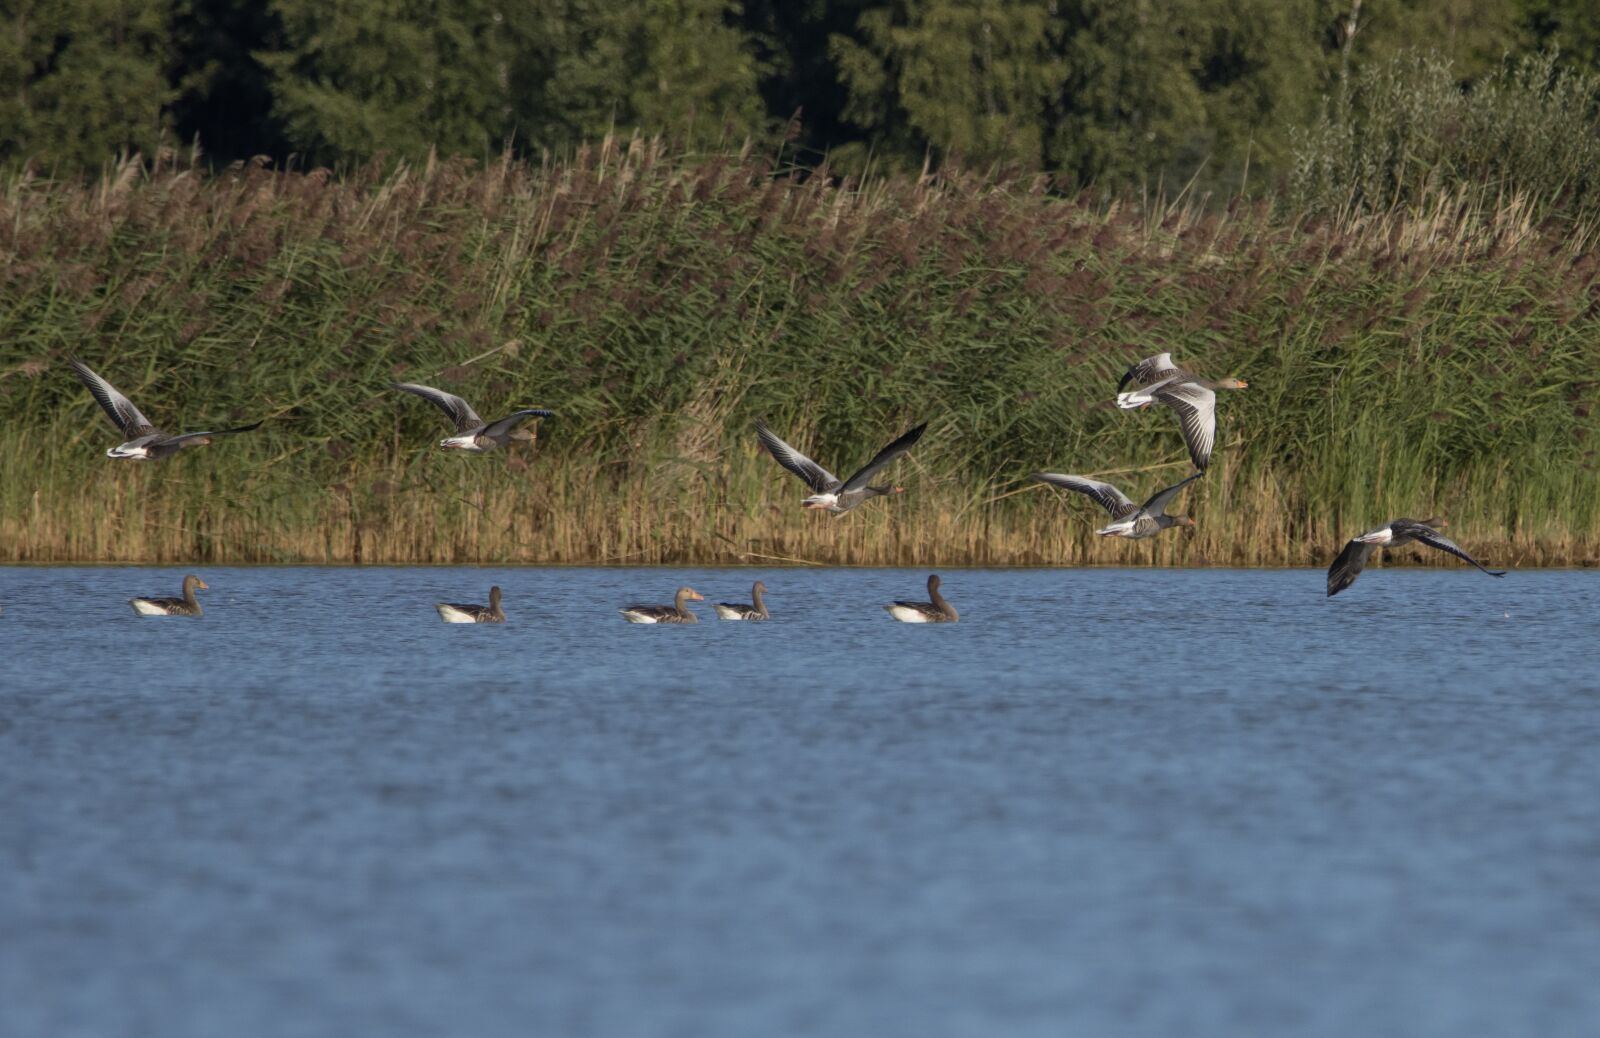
186, 437
120, 409
654, 612
864, 475
1104, 494
1197, 413
1347, 567
1434, 539
1149, 370
512, 420
164, 603
816, 477
1157, 504
460, 412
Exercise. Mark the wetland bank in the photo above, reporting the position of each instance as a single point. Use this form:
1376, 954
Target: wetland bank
1436, 361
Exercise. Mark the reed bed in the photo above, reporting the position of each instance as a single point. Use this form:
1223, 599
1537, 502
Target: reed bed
1437, 360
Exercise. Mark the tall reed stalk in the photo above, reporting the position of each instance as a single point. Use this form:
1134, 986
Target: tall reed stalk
1439, 360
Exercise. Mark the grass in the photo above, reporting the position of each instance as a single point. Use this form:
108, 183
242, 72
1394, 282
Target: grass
1439, 359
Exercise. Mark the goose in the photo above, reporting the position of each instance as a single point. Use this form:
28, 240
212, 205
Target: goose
831, 493
937, 611
473, 433
144, 441
188, 605
1347, 567
455, 613
1135, 522
1194, 399
736, 611
676, 613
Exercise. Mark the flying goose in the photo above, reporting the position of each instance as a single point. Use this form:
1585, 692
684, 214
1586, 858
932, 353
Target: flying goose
831, 493
144, 441
1347, 567
473, 433
455, 613
1194, 399
676, 613
937, 611
736, 611
1135, 522
188, 605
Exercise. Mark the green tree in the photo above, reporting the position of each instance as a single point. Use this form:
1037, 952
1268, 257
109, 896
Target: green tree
81, 80
1473, 35
681, 67
1192, 85
976, 77
393, 76
1569, 27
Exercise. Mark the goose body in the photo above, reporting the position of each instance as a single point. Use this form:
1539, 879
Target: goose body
739, 611
1193, 398
187, 605
1358, 550
473, 434
455, 613
936, 611
1134, 522
829, 492
144, 441
677, 613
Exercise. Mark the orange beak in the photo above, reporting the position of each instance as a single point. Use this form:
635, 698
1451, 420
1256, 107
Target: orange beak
202, 584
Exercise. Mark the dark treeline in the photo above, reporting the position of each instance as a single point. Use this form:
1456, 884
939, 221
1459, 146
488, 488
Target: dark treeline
1109, 93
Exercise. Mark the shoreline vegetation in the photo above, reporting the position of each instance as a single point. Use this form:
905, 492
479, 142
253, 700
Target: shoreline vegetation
1439, 359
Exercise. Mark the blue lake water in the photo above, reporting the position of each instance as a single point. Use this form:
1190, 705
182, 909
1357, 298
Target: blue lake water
1108, 802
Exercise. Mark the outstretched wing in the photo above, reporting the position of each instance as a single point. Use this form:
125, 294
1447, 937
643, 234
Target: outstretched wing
1158, 501
817, 478
1149, 370
511, 420
1104, 494
888, 454
1347, 567
123, 414
1197, 412
460, 412
1434, 539
186, 437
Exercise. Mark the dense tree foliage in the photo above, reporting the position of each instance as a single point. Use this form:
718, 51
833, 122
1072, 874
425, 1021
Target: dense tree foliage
1107, 92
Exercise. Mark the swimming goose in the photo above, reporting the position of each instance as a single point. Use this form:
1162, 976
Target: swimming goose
831, 493
188, 605
454, 613
736, 611
1194, 399
1347, 567
1135, 522
473, 433
677, 613
145, 442
937, 611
